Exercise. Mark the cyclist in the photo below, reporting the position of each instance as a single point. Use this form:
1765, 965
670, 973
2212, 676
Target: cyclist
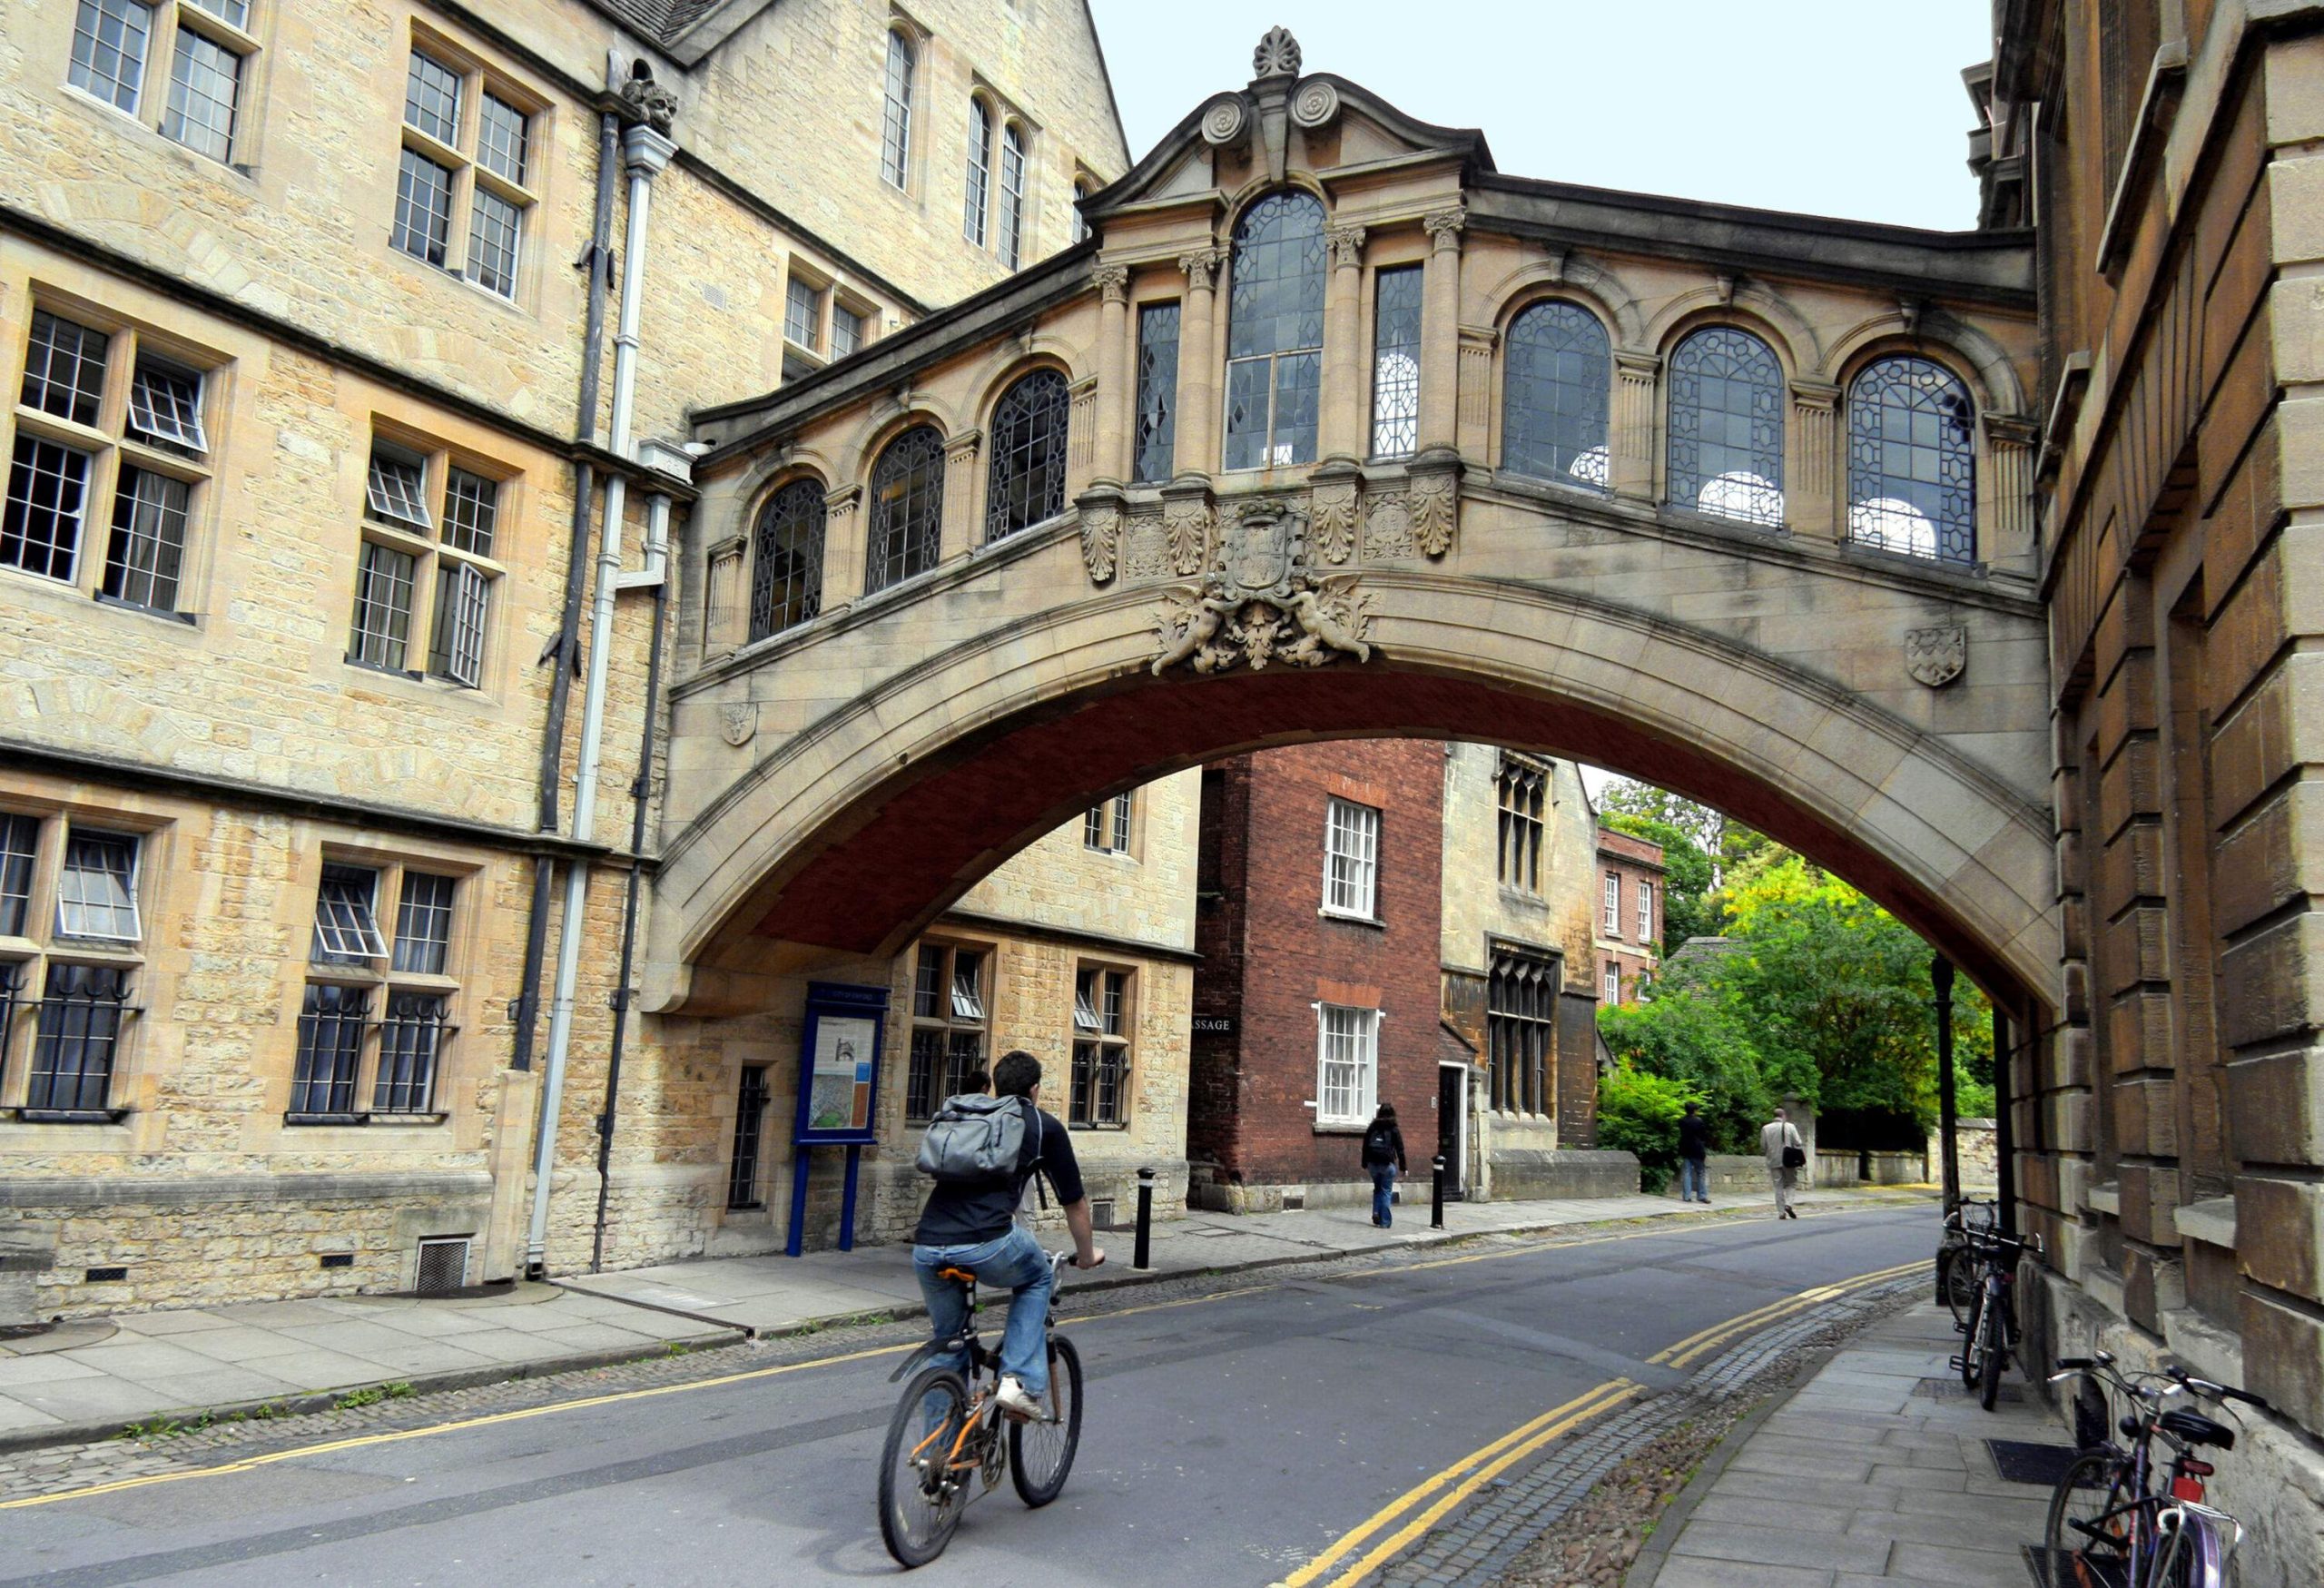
975, 1228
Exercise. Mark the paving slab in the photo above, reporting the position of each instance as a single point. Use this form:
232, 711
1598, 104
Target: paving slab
1923, 1509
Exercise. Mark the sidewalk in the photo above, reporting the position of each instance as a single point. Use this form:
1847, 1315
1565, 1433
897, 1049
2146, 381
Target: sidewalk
1876, 1471
89, 1379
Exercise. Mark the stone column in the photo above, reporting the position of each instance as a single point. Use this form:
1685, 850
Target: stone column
1081, 437
961, 531
843, 548
1198, 371
727, 601
1109, 457
1630, 472
1474, 427
2006, 533
1810, 491
1345, 385
1439, 314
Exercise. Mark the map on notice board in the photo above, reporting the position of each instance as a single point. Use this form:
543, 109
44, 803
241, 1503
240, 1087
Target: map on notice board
839, 1074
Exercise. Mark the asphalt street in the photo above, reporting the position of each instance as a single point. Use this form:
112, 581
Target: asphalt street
1226, 1441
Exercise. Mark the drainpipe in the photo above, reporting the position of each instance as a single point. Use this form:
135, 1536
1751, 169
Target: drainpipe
644, 152
598, 262
655, 576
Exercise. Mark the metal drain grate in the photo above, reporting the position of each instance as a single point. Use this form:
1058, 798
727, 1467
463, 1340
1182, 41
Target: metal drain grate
2021, 1460
443, 1264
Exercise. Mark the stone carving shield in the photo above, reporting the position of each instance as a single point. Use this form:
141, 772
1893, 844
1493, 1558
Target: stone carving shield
1934, 657
1257, 549
737, 720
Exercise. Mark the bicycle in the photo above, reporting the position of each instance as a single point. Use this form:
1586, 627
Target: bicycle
1957, 1278
2137, 1534
946, 1433
1992, 1326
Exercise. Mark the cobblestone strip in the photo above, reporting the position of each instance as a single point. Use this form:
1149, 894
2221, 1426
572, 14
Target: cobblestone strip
1476, 1546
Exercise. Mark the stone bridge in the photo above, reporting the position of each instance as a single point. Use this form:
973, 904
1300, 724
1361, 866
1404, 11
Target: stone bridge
1330, 429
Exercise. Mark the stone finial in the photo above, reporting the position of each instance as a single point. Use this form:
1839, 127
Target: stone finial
1277, 55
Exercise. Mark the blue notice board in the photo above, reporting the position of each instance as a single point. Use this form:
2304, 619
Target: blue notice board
839, 1092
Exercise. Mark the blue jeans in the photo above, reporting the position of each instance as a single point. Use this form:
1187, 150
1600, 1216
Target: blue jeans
1015, 1262
1384, 1181
1693, 1180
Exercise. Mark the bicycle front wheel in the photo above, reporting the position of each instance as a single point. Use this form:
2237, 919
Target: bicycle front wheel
1960, 1284
2087, 1544
1994, 1357
925, 1468
1972, 1342
1041, 1454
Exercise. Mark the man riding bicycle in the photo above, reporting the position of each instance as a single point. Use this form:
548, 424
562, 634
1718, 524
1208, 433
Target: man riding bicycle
973, 1226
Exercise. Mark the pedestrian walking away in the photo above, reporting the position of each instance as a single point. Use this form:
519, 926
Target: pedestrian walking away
1694, 1150
1383, 1158
1786, 1156
970, 1221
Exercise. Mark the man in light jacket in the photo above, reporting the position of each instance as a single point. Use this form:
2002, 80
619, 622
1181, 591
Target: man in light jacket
1775, 1136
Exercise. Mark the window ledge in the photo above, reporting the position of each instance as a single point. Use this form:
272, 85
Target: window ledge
1352, 920
293, 1118
1350, 1128
1085, 1124
29, 1116
118, 604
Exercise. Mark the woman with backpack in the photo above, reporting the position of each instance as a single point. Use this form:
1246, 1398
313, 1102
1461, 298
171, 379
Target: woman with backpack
1384, 1155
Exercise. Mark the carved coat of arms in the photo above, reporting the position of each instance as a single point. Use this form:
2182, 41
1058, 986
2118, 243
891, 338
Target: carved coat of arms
1934, 657
1260, 603
737, 720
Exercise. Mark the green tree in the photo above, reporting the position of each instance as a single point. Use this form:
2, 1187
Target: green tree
1694, 1031
1638, 1112
1726, 842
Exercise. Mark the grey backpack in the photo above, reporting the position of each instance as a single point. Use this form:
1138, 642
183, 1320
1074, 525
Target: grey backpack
977, 1141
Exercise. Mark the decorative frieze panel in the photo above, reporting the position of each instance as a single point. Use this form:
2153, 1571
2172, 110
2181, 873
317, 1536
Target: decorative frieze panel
1261, 604
1333, 509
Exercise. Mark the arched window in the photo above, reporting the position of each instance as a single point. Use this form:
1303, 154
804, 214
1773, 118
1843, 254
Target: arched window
1275, 332
1554, 395
787, 559
907, 508
1081, 189
979, 201
1912, 460
1012, 195
1027, 483
895, 125
1727, 427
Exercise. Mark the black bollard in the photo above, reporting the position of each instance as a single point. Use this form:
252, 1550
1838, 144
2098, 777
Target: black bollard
1436, 1195
1144, 1219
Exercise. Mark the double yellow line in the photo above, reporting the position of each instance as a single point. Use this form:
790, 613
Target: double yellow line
1464, 1478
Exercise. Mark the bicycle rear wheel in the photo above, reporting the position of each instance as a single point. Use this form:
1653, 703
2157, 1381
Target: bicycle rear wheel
1041, 1454
921, 1496
1971, 1341
1959, 1283
2085, 1547
1994, 1357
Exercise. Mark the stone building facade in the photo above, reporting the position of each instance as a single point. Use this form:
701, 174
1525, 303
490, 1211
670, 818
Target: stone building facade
1520, 1005
2168, 1141
312, 426
1316, 999
1626, 915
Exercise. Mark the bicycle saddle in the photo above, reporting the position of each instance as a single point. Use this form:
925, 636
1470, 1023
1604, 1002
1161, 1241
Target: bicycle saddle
958, 1275
2194, 1428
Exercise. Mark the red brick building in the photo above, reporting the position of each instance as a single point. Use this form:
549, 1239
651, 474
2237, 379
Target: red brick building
1628, 914
1319, 884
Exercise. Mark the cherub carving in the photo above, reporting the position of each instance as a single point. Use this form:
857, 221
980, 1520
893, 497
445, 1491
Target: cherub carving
1189, 622
1330, 617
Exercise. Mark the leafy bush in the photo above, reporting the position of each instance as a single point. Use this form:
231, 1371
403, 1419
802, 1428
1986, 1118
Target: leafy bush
1638, 1113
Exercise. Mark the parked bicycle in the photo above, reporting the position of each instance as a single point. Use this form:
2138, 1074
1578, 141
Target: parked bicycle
1957, 1274
2119, 1520
1992, 1324
947, 1435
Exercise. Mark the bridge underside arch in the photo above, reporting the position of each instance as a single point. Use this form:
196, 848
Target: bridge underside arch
848, 837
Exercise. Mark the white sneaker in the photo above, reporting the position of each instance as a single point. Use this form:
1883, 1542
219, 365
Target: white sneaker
1019, 1402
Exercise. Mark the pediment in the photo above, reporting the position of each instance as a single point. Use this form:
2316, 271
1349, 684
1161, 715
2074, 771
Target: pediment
1282, 119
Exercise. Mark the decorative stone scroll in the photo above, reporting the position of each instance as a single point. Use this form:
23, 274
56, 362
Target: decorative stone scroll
1223, 121
1187, 526
1331, 512
1935, 656
1260, 603
1101, 526
1315, 104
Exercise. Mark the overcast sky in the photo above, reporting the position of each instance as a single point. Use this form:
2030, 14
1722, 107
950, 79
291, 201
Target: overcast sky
1830, 107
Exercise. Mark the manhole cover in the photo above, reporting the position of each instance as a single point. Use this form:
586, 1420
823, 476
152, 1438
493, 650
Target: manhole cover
2021, 1460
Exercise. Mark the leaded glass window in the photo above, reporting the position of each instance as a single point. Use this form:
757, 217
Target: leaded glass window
978, 208
504, 139
1395, 361
1727, 427
331, 1049
1555, 378
1158, 392
495, 227
396, 489
148, 549
949, 1026
1521, 1023
1105, 826
1912, 460
18, 837
1025, 482
205, 81
803, 313
382, 628
895, 125
1275, 332
471, 511
79, 1037
847, 331
110, 40
64, 368
1521, 791
423, 226
410, 1039
96, 892
1098, 1096
907, 508
787, 559
1012, 196
39, 528
423, 924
